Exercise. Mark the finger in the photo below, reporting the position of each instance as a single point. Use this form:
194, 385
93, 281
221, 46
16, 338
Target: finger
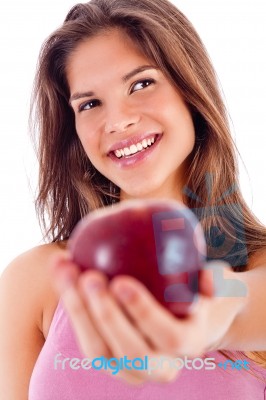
122, 338
206, 282
74, 307
157, 324
165, 333
109, 318
64, 277
66, 281
62, 271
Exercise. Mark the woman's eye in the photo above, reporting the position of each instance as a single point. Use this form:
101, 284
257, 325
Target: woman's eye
141, 85
89, 105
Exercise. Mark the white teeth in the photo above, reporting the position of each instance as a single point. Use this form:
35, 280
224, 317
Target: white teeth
134, 148
144, 143
118, 153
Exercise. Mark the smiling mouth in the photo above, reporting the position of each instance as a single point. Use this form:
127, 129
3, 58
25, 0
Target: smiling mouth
135, 148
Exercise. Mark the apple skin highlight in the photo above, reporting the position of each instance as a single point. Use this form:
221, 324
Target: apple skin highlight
159, 242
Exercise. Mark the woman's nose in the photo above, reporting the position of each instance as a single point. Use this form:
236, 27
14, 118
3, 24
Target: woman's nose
119, 119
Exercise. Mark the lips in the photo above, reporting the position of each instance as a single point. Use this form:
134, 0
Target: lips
135, 148
133, 145
132, 155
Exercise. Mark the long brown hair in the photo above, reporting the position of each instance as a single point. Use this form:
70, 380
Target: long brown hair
70, 186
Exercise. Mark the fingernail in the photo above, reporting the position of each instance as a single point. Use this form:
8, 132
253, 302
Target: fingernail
125, 293
94, 287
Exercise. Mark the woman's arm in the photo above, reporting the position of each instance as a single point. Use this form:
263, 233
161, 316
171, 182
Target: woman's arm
24, 291
248, 331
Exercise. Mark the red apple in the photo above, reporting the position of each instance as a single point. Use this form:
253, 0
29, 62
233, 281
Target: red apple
159, 242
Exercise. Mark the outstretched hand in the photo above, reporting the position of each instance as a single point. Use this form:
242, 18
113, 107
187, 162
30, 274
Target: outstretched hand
122, 318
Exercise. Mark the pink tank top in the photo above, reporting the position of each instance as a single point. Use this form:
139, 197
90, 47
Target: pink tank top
50, 383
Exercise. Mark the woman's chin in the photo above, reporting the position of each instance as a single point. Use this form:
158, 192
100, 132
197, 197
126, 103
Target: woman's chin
138, 192
147, 192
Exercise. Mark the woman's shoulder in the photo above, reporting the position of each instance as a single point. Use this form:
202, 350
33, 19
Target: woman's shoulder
28, 277
27, 304
31, 266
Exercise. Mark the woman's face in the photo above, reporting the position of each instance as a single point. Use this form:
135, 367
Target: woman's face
133, 124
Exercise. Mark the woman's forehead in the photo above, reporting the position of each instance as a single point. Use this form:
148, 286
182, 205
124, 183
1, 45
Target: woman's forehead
112, 53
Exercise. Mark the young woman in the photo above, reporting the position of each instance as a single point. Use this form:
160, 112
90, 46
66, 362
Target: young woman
128, 107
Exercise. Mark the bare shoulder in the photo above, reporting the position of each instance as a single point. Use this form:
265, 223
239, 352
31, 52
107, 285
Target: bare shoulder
27, 280
27, 305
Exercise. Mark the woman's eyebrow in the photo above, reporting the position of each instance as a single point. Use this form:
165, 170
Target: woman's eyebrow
137, 70
125, 78
79, 95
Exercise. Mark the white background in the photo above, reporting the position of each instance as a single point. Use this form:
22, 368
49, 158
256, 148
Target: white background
235, 35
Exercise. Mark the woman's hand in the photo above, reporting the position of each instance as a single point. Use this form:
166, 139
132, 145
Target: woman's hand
122, 318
